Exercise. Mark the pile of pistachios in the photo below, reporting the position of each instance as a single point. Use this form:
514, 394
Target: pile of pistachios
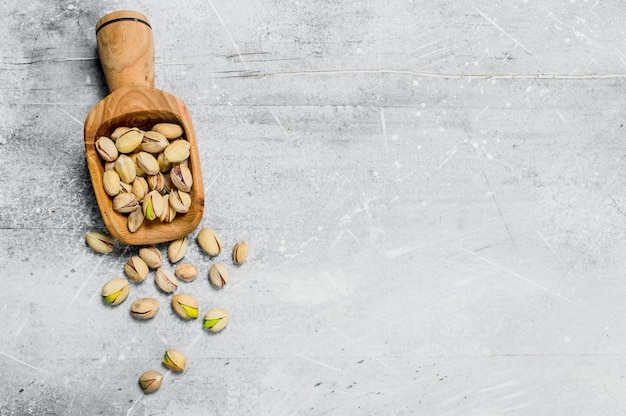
147, 172
137, 269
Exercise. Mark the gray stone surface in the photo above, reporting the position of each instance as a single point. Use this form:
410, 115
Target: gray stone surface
433, 194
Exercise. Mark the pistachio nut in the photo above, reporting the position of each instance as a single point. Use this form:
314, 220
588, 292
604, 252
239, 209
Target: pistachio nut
177, 151
147, 163
181, 177
111, 182
125, 203
153, 142
168, 213
125, 167
151, 256
185, 306
209, 241
150, 381
152, 205
109, 165
156, 182
125, 188
144, 308
179, 200
135, 219
167, 184
140, 188
218, 275
169, 130
240, 252
106, 149
115, 291
175, 360
136, 269
164, 165
138, 169
177, 249
100, 242
129, 140
165, 280
186, 272
216, 319
118, 132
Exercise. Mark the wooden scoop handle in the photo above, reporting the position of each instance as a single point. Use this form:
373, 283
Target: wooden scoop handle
126, 49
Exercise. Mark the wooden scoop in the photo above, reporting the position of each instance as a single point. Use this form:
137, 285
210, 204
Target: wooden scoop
126, 51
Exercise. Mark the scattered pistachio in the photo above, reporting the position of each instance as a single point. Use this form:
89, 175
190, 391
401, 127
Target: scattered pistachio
151, 256
177, 249
186, 272
144, 308
218, 275
185, 306
216, 319
165, 280
150, 381
136, 269
115, 291
209, 241
169, 130
100, 242
174, 360
240, 252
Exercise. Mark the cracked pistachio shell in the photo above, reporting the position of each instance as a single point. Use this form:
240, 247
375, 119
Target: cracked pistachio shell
186, 272
185, 306
111, 182
177, 249
209, 241
153, 142
165, 280
168, 213
218, 275
106, 149
125, 188
151, 256
135, 219
181, 178
175, 360
136, 269
216, 319
138, 169
144, 308
177, 151
180, 201
147, 163
164, 165
129, 140
150, 381
156, 182
125, 167
115, 291
100, 242
125, 203
118, 132
140, 188
240, 252
152, 205
169, 130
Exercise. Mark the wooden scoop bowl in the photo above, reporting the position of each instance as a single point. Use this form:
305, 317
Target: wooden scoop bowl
126, 51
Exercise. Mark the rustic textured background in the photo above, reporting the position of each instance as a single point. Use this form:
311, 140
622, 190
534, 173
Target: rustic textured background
433, 194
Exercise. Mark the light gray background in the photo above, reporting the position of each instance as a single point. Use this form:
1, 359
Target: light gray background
433, 194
